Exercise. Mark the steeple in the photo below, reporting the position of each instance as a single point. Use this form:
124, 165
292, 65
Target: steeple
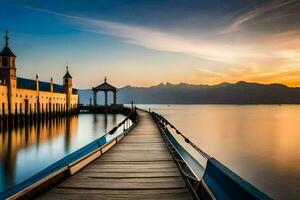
6, 38
105, 79
6, 51
67, 75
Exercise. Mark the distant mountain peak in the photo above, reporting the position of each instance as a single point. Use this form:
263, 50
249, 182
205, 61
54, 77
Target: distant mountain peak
242, 83
223, 84
241, 92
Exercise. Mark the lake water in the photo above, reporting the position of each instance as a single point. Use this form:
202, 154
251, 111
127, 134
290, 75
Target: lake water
261, 143
258, 142
26, 150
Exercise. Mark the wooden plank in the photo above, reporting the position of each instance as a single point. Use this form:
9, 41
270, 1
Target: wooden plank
139, 167
131, 175
123, 183
125, 186
128, 196
136, 157
114, 192
132, 165
128, 170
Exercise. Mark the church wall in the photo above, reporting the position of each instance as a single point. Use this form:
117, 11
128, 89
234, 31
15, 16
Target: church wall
74, 101
21, 96
48, 101
52, 101
3, 100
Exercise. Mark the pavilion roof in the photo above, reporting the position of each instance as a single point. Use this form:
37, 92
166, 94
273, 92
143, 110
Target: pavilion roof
105, 87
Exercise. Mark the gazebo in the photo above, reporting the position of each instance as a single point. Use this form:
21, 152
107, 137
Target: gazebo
105, 87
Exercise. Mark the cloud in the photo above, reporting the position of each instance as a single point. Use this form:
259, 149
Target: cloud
204, 48
211, 73
258, 12
249, 58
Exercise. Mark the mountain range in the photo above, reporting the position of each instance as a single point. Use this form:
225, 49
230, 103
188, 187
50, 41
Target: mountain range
225, 93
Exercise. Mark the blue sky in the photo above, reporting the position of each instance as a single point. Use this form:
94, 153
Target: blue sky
147, 42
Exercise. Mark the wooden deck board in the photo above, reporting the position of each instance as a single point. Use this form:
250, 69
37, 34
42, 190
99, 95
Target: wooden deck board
139, 167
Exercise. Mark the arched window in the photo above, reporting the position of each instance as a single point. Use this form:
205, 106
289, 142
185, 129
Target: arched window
4, 61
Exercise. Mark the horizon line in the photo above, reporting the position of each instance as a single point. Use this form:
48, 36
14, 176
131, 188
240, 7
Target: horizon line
202, 84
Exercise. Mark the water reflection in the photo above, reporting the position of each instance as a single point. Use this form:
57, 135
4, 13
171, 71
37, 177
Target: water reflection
258, 142
27, 149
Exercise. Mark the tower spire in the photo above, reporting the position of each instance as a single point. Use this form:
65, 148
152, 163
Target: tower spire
67, 75
6, 38
105, 79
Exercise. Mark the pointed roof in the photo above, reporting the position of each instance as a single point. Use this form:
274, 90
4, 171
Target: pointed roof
105, 87
67, 75
6, 50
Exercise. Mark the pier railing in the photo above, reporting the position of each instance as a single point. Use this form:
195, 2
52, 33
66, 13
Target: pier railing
72, 163
213, 181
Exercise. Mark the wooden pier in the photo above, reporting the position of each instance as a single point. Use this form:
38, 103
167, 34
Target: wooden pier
138, 167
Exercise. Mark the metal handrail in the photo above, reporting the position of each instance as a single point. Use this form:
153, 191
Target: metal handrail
187, 140
132, 116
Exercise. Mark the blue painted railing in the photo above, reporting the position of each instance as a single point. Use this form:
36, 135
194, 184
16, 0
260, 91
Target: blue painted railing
71, 158
55, 167
215, 181
225, 184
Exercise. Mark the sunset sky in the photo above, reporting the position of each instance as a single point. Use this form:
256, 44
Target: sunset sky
147, 42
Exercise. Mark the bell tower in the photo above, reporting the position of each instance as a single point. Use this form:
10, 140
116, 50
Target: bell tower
68, 88
7, 63
8, 73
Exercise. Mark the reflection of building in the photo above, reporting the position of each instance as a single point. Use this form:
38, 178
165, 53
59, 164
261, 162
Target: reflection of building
28, 141
25, 96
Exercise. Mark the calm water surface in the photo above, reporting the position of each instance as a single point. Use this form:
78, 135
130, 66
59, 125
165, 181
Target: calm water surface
261, 143
26, 150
